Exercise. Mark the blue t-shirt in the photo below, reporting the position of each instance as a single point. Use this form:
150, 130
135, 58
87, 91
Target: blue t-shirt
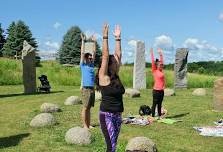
87, 72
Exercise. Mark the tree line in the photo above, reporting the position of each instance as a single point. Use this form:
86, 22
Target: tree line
203, 67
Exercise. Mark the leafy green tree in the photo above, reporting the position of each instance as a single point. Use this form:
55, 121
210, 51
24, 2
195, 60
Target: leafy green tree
192, 67
69, 52
2, 40
17, 33
7, 49
201, 70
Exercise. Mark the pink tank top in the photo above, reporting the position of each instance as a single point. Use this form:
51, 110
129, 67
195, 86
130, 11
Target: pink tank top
158, 76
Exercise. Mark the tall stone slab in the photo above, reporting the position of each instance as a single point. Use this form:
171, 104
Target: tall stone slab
89, 47
180, 68
139, 74
218, 95
29, 68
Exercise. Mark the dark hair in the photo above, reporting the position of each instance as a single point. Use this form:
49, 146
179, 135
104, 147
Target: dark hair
144, 110
156, 62
86, 55
114, 78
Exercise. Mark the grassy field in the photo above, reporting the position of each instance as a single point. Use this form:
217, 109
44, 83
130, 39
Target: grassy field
17, 110
11, 74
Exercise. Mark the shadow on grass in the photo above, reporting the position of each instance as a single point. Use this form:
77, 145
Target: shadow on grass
23, 94
178, 115
12, 140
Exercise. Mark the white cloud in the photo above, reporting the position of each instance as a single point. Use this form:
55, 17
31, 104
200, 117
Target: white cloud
221, 51
128, 51
47, 55
52, 45
196, 44
56, 25
48, 49
164, 42
201, 50
132, 43
221, 16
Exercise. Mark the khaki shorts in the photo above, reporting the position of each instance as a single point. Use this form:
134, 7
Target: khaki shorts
88, 97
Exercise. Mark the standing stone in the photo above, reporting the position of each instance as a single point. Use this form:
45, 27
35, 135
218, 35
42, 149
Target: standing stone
180, 68
139, 75
89, 47
218, 94
29, 68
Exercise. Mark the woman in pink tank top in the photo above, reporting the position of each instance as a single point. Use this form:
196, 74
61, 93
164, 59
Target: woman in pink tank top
159, 82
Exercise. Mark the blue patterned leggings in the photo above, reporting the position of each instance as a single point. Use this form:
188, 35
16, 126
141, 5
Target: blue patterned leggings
110, 126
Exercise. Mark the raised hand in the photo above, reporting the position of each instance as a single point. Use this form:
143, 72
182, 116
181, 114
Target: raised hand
159, 50
105, 30
117, 32
151, 50
83, 37
93, 38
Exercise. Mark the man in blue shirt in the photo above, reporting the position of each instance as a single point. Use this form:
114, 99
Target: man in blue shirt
88, 76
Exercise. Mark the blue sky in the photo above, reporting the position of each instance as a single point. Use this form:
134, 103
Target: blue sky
170, 24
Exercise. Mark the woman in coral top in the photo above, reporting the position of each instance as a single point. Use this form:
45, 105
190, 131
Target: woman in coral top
159, 82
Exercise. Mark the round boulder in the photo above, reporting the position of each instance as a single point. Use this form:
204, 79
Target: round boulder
49, 107
97, 96
199, 92
132, 93
43, 119
78, 135
72, 100
141, 144
169, 92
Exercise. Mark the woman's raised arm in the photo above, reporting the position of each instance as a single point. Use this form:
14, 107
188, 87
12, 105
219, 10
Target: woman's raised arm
105, 52
152, 60
117, 34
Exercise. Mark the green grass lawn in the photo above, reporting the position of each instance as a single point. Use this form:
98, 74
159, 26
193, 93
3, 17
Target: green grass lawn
17, 110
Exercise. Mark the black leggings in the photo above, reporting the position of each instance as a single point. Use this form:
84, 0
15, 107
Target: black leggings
157, 100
